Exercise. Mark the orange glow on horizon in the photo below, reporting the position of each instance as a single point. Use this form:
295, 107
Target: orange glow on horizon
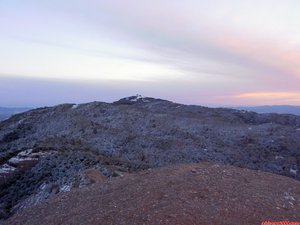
268, 98
269, 95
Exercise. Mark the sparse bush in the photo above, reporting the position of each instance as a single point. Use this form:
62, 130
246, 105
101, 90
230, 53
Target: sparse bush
10, 137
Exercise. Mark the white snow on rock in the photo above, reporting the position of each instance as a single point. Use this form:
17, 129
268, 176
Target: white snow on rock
74, 106
145, 100
279, 157
25, 153
65, 188
20, 121
5, 168
287, 196
16, 160
43, 186
137, 97
293, 171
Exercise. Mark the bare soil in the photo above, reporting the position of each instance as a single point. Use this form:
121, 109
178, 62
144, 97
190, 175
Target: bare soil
202, 193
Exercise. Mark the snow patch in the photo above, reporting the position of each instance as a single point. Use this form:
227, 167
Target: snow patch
288, 196
43, 186
293, 171
5, 168
279, 157
20, 121
74, 106
25, 153
137, 97
65, 188
298, 129
17, 160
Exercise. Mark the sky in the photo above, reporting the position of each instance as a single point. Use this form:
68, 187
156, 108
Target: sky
203, 52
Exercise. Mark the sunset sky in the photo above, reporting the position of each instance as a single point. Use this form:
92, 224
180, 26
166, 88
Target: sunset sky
214, 52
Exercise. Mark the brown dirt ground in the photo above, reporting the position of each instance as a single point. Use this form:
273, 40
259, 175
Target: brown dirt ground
184, 194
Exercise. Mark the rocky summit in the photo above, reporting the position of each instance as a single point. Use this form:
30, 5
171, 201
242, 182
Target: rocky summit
47, 151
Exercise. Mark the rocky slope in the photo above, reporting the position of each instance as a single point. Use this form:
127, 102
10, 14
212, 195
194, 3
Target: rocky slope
48, 150
202, 193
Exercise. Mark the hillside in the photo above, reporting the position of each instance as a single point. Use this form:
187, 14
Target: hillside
202, 193
49, 150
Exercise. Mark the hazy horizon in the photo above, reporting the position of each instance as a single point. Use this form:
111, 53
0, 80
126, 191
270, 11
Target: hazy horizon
211, 53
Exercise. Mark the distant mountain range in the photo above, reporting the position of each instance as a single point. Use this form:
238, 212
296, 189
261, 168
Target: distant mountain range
7, 112
281, 109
